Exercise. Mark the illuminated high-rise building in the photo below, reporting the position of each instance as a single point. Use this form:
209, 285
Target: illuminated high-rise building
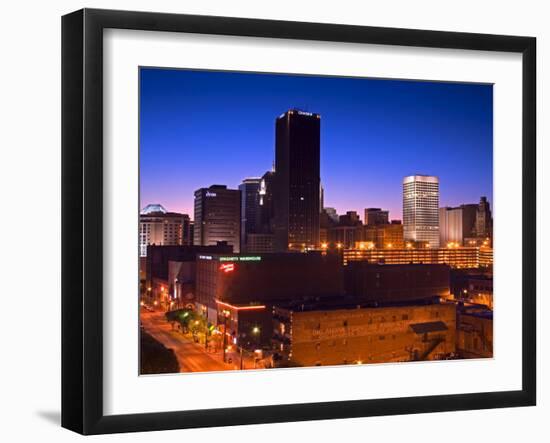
421, 209
217, 216
160, 227
297, 180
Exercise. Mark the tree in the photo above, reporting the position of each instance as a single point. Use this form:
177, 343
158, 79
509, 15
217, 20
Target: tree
155, 358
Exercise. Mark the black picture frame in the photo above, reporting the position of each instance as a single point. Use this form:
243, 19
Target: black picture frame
82, 190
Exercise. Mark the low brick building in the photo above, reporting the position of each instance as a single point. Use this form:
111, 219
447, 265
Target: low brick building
318, 335
475, 333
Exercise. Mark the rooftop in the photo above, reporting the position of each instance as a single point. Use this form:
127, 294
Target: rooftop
347, 303
153, 208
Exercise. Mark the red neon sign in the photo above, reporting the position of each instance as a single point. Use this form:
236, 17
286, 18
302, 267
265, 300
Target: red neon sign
227, 267
239, 308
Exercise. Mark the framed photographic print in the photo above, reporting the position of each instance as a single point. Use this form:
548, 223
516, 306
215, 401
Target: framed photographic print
269, 221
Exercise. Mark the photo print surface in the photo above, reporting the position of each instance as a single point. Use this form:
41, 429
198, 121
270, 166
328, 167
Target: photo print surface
292, 221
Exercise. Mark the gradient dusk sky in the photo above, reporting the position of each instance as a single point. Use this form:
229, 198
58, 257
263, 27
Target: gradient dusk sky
199, 128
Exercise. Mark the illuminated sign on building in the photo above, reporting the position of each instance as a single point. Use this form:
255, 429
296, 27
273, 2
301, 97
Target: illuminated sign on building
211, 194
242, 258
228, 267
205, 257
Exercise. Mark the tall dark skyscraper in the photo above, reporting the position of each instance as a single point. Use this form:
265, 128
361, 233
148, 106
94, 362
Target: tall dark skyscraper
250, 208
297, 180
217, 216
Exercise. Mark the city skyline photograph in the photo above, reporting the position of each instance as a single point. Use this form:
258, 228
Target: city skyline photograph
432, 128
297, 221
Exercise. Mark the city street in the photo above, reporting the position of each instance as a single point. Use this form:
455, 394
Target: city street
191, 356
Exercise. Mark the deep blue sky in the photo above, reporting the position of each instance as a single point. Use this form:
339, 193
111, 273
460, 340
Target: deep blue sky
199, 128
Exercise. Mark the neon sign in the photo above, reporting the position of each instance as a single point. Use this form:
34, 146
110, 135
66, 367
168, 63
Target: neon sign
228, 267
242, 258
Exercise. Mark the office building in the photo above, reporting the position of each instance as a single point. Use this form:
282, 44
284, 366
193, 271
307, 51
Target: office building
376, 216
326, 222
387, 235
484, 219
350, 218
260, 243
160, 227
297, 180
250, 208
267, 184
456, 224
331, 212
344, 236
421, 209
217, 216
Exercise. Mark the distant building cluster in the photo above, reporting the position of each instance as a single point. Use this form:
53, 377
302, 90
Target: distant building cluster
283, 209
271, 268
